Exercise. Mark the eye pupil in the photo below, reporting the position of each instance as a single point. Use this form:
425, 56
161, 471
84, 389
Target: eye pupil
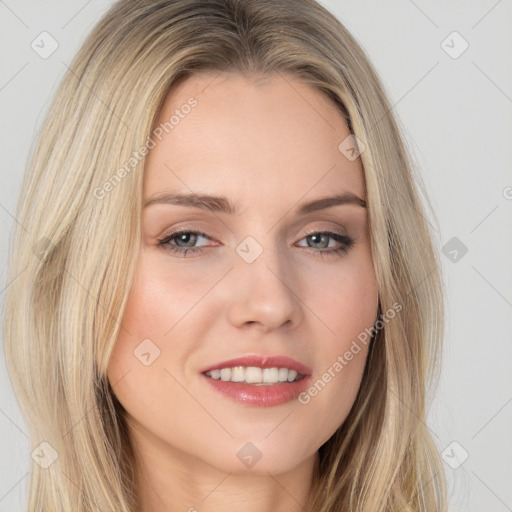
316, 238
186, 237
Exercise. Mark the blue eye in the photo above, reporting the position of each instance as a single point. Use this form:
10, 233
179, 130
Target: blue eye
187, 238
184, 241
345, 242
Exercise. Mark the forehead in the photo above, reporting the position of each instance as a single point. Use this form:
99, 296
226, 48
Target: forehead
263, 139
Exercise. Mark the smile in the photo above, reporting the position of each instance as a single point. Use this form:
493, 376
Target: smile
259, 381
255, 375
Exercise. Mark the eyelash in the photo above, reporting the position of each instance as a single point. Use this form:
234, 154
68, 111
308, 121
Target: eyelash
346, 242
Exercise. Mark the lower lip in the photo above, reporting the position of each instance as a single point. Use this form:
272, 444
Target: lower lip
260, 396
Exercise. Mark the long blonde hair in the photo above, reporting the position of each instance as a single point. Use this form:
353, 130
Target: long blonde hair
74, 255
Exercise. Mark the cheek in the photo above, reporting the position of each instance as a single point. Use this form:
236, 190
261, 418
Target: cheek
346, 302
350, 305
160, 304
161, 295
145, 320
344, 297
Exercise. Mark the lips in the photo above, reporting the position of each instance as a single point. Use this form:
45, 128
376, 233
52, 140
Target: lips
258, 395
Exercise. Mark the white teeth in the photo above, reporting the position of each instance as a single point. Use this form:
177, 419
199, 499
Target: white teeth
283, 374
225, 374
254, 375
270, 375
291, 375
237, 374
215, 374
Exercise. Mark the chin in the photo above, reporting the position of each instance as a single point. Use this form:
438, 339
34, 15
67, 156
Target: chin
259, 456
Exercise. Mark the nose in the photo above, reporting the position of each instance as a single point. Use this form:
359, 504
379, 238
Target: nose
265, 293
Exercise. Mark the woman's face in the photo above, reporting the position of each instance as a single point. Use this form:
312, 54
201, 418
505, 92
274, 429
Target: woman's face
284, 282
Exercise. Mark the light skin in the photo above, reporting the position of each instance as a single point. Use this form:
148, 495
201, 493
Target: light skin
269, 146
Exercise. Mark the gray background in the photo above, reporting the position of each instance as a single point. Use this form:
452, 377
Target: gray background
456, 111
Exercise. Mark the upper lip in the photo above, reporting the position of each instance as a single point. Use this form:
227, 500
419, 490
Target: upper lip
262, 362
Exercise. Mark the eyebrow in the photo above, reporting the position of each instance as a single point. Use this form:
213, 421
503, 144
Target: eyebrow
222, 204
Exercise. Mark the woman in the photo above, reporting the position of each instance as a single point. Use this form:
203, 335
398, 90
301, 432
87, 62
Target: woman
228, 296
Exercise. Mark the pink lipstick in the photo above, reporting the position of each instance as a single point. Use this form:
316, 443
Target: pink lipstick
259, 381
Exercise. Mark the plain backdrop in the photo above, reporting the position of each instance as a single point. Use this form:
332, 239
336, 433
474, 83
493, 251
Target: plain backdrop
446, 68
